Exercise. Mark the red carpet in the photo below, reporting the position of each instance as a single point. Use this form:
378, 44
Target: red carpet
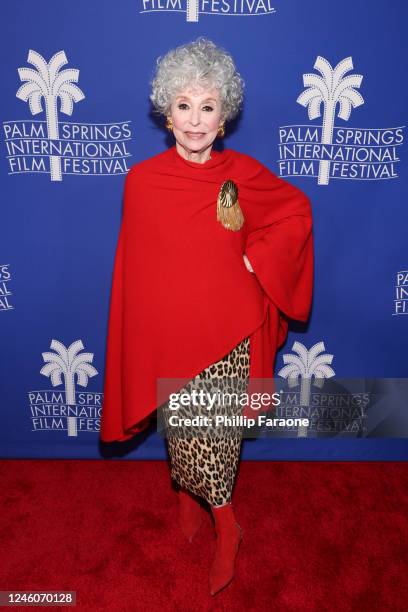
317, 536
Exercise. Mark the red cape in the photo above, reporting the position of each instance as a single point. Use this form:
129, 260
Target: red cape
182, 297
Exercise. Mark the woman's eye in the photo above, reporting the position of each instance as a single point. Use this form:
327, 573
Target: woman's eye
183, 105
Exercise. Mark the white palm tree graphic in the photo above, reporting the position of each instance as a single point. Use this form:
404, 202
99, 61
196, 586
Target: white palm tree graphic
192, 10
48, 83
305, 365
67, 362
330, 88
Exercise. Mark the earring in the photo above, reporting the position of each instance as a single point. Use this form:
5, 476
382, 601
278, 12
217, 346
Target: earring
221, 130
169, 124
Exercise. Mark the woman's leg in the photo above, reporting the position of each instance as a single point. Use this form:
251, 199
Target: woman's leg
183, 473
229, 532
229, 536
205, 465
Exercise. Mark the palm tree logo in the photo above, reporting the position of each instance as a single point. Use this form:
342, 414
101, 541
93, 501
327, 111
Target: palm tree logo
304, 366
67, 362
192, 10
330, 89
49, 83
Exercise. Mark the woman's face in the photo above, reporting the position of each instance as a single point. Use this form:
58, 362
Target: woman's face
196, 116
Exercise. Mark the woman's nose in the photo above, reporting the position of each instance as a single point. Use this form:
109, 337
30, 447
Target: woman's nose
195, 117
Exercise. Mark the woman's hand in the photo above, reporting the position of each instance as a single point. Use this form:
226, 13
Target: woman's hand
248, 263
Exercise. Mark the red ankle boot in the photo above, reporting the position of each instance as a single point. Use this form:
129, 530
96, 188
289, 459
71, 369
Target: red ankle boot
190, 513
229, 536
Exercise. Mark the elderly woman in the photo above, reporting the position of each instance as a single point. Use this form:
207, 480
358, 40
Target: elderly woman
214, 257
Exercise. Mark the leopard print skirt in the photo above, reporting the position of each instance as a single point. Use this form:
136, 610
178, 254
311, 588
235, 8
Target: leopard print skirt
204, 459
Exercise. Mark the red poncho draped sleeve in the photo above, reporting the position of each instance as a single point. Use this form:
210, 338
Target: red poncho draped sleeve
182, 296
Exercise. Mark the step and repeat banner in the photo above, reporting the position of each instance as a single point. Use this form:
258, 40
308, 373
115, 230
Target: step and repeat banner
325, 108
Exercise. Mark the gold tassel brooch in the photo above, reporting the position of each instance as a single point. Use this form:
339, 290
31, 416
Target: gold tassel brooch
229, 212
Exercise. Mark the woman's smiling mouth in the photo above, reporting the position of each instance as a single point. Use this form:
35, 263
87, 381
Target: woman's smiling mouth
195, 135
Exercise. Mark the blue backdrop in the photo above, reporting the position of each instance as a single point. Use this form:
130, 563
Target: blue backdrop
325, 107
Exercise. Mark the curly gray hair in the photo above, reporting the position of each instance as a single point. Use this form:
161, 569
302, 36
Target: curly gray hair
199, 62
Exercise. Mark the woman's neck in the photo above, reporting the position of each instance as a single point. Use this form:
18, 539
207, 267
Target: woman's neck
199, 157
